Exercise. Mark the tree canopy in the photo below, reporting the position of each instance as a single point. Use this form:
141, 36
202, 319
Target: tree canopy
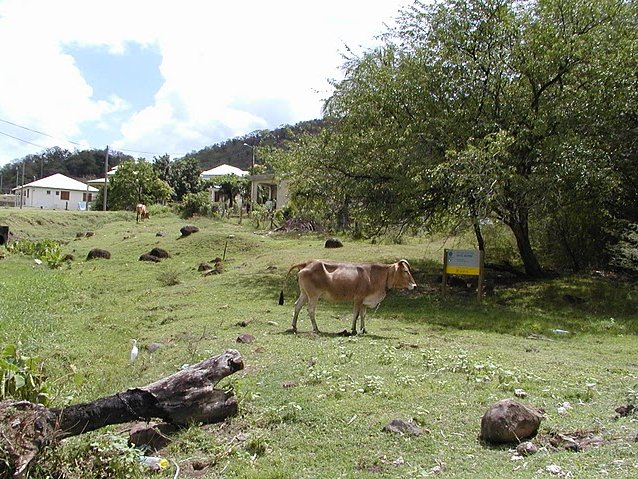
524, 111
135, 182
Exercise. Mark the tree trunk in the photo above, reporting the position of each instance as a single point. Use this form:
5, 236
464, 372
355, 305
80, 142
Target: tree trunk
521, 232
184, 397
479, 234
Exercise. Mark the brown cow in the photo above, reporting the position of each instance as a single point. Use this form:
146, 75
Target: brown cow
142, 212
365, 284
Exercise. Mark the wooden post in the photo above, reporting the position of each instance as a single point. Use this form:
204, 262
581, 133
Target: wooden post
444, 286
106, 178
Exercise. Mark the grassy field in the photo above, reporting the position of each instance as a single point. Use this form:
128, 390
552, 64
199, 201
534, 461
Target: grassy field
315, 406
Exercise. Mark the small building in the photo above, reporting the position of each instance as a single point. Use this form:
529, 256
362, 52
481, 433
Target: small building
99, 182
55, 192
266, 189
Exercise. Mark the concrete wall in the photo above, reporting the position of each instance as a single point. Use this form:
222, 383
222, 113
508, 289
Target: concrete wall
51, 199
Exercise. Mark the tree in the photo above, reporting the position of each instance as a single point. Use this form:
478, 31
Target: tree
184, 177
482, 107
162, 166
136, 182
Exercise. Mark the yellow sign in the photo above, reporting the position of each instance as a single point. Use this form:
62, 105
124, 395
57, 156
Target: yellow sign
462, 270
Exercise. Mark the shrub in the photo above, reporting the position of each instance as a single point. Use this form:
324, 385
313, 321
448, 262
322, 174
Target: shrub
22, 376
48, 251
196, 204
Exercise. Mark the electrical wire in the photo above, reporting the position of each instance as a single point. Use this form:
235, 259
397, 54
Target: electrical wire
68, 141
20, 139
36, 131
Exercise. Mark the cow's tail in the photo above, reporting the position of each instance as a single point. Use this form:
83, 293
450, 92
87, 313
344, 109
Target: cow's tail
297, 266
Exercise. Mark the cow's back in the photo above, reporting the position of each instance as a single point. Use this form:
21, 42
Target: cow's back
342, 281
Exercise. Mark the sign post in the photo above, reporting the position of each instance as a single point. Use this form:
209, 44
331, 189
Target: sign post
463, 262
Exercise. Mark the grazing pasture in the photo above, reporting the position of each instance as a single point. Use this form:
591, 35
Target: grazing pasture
310, 405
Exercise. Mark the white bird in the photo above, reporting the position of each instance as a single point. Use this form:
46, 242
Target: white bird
134, 350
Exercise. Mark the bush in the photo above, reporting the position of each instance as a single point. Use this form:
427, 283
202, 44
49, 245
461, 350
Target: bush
22, 377
196, 204
48, 251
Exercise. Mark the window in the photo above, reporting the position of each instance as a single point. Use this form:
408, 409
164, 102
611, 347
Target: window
90, 197
57, 193
48, 192
64, 195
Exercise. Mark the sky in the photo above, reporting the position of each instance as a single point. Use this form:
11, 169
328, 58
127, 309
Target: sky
150, 77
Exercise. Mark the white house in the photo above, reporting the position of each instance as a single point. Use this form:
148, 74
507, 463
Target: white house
221, 170
55, 192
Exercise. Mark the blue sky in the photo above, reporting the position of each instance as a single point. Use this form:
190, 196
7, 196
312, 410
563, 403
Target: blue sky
149, 78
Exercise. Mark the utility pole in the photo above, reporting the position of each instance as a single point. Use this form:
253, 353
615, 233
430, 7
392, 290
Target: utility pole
22, 186
106, 179
17, 183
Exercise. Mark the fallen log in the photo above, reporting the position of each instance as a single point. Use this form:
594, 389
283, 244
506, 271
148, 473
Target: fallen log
188, 396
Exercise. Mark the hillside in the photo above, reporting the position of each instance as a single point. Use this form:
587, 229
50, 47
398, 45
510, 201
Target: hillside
89, 164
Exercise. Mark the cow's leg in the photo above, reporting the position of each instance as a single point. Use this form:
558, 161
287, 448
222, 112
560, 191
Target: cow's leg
298, 305
356, 313
362, 317
312, 308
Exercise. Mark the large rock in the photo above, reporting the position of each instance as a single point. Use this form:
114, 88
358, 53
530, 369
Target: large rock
149, 257
96, 253
188, 230
159, 253
333, 243
509, 421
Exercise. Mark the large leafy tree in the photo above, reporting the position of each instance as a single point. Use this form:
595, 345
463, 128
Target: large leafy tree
184, 177
516, 109
136, 182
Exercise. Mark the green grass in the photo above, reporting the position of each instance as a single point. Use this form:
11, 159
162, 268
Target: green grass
314, 406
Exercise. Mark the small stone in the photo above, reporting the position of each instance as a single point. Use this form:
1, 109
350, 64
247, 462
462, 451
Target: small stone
526, 448
399, 426
245, 338
554, 469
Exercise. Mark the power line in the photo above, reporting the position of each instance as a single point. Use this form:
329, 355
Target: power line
20, 139
36, 131
67, 141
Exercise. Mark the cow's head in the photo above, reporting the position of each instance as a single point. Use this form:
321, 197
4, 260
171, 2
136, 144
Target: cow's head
400, 275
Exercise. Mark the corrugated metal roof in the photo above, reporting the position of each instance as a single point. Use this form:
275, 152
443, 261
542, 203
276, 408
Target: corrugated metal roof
60, 182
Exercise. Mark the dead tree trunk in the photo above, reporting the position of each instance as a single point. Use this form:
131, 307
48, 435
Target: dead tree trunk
184, 397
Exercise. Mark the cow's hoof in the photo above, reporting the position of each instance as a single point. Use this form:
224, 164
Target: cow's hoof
292, 330
363, 331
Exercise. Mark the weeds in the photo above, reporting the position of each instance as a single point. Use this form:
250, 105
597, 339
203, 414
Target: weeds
43, 250
169, 278
22, 376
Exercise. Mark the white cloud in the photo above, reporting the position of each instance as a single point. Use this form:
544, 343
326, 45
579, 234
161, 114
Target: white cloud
228, 67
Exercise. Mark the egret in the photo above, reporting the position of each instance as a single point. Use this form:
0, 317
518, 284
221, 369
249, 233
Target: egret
134, 350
